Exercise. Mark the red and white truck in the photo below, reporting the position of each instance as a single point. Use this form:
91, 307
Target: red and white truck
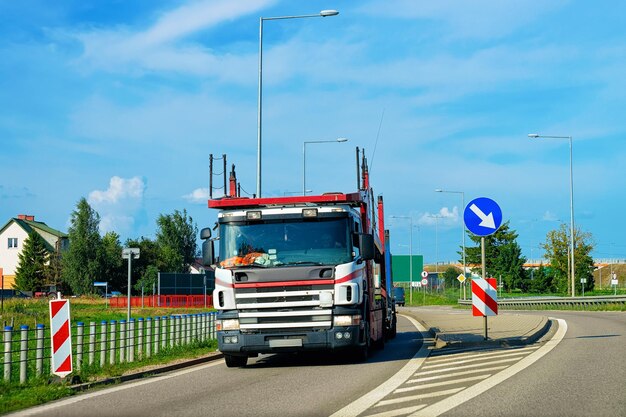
301, 273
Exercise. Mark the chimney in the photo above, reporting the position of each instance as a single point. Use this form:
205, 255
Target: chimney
27, 217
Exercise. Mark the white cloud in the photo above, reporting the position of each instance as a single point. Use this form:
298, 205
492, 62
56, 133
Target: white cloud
119, 188
444, 217
119, 205
199, 195
163, 45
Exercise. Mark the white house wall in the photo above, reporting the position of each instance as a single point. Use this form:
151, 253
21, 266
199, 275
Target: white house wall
9, 256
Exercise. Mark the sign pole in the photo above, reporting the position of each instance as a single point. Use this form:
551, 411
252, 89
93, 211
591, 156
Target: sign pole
482, 259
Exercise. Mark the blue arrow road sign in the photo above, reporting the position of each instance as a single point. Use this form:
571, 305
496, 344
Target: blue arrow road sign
482, 216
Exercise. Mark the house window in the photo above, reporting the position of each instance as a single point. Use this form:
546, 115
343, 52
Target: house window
12, 242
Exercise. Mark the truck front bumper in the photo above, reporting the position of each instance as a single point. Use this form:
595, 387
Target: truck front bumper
341, 337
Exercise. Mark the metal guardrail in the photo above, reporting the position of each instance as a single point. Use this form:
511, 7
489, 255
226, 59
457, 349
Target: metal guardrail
27, 352
547, 302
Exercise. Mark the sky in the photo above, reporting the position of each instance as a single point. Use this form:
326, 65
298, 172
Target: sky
123, 102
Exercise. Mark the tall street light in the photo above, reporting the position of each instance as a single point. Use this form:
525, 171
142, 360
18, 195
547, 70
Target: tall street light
436, 217
304, 190
439, 190
571, 206
323, 13
410, 255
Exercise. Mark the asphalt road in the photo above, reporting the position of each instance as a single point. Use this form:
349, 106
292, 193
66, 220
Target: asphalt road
271, 385
585, 375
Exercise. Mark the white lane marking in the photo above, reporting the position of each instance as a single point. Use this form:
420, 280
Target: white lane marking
441, 384
81, 397
398, 411
476, 365
454, 375
368, 400
475, 390
470, 360
453, 357
420, 396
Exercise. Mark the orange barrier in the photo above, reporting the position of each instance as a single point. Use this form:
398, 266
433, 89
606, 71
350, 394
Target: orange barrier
196, 301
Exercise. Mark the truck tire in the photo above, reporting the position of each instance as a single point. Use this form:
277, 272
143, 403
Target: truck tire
235, 361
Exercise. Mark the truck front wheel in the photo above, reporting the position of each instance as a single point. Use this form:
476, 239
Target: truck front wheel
235, 361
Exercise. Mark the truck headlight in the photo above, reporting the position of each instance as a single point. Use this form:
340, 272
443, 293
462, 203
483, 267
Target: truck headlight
229, 324
346, 320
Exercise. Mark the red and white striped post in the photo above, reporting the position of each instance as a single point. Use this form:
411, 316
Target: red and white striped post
60, 332
484, 298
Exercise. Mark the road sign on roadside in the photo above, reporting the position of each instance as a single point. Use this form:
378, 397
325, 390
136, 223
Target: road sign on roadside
461, 278
484, 297
424, 282
482, 216
60, 333
418, 284
424, 274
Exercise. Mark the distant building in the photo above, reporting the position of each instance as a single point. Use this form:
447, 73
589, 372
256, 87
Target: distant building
12, 237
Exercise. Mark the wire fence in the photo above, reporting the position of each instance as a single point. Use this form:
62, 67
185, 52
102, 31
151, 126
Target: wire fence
27, 352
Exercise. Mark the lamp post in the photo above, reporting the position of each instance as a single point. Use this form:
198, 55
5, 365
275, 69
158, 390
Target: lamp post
436, 217
304, 190
439, 190
571, 189
130, 254
410, 255
323, 13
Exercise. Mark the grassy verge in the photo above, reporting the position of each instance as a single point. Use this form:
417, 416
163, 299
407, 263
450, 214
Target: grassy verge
17, 312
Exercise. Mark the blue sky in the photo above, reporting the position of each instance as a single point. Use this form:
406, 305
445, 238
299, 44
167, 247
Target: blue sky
122, 103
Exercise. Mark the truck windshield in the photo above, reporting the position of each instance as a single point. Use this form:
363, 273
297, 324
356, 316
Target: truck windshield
285, 243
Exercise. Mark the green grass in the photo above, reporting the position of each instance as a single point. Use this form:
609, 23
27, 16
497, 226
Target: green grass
17, 312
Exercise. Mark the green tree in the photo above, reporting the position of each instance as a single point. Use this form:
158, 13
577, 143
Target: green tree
176, 238
557, 249
145, 269
82, 263
112, 263
541, 281
30, 274
449, 276
503, 257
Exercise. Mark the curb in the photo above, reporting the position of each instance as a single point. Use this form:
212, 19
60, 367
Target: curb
143, 374
441, 343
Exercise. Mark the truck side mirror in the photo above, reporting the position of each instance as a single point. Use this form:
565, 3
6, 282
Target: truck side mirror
208, 250
205, 233
366, 246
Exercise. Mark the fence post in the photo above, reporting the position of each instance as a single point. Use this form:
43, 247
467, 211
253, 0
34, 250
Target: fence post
39, 351
131, 340
148, 336
163, 332
172, 322
80, 332
92, 341
23, 352
157, 322
122, 341
187, 329
8, 335
213, 317
112, 352
140, 337
103, 342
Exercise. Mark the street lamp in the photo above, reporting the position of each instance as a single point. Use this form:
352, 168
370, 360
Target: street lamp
571, 189
436, 217
410, 255
439, 190
130, 254
304, 190
323, 13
